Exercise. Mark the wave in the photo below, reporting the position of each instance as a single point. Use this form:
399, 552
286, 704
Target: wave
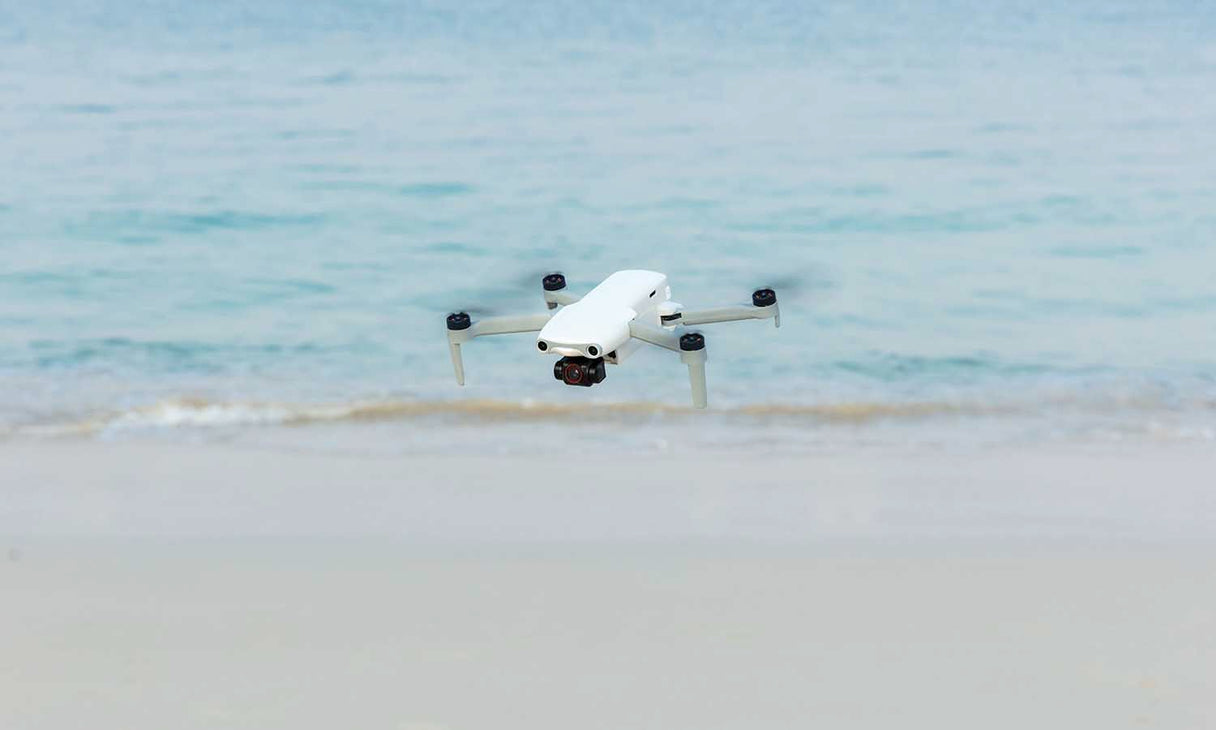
200, 413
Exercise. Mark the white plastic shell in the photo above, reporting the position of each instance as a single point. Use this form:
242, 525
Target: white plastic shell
598, 324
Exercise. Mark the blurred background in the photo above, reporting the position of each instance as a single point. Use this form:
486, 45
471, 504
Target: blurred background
995, 221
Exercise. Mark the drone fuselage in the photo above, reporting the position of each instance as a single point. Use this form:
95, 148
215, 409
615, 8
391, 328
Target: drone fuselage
598, 324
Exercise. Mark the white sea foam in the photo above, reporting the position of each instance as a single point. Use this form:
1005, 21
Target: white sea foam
945, 421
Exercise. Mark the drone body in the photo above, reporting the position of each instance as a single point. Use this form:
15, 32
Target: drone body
608, 323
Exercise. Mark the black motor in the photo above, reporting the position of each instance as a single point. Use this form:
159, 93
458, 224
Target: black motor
580, 371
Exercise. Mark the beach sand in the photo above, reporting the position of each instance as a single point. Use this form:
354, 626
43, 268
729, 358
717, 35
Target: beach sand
168, 585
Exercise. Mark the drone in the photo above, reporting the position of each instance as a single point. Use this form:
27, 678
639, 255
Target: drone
610, 322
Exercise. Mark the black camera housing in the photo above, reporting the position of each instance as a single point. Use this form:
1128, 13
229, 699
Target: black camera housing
582, 371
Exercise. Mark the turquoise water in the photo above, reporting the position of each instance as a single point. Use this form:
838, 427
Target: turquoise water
214, 213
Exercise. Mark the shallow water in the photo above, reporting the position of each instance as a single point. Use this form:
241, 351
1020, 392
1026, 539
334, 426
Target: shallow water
220, 215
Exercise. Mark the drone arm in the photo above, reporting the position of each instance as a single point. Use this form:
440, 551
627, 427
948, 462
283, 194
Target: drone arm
489, 326
507, 325
555, 298
663, 338
731, 314
693, 358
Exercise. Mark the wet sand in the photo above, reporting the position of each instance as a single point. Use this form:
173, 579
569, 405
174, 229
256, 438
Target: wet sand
177, 586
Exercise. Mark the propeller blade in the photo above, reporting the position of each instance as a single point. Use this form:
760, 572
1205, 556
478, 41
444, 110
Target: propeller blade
531, 279
814, 281
477, 312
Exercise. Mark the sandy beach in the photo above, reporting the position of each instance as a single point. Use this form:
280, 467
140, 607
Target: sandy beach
175, 585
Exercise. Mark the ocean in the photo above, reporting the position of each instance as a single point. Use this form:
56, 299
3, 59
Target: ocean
991, 222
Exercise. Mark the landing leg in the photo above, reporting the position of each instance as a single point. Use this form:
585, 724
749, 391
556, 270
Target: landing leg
457, 361
459, 324
692, 353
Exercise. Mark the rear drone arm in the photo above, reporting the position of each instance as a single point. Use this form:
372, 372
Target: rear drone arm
554, 286
763, 306
554, 298
730, 314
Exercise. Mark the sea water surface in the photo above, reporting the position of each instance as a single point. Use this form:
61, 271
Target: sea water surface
1000, 216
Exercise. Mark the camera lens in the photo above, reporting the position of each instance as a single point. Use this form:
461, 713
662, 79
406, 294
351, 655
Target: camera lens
542, 345
593, 351
573, 373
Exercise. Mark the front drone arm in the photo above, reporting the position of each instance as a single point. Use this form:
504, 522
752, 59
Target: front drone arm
664, 338
691, 347
462, 328
506, 325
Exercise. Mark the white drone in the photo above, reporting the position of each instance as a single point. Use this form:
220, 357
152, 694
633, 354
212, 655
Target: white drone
608, 323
